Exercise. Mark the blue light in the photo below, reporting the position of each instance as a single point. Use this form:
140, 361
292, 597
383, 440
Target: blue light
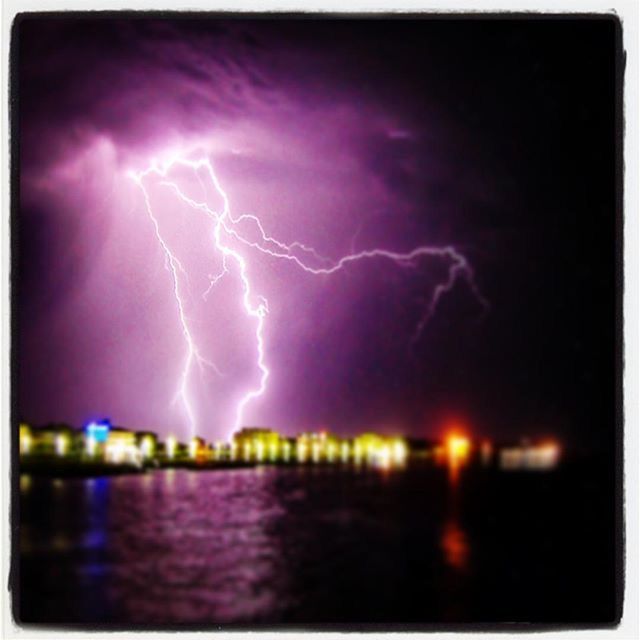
99, 431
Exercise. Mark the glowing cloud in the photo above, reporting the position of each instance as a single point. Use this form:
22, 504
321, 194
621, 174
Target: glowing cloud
226, 227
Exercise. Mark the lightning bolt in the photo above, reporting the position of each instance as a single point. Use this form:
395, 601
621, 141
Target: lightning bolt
226, 227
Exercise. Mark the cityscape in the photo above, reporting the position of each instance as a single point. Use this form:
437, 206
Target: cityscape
102, 447
316, 321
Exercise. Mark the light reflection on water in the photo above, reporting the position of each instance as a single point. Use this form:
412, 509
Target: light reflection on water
454, 541
455, 545
184, 544
180, 545
279, 544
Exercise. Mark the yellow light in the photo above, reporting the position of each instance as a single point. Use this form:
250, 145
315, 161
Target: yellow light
344, 451
246, 451
193, 448
62, 444
147, 447
315, 452
259, 450
171, 447
458, 447
399, 451
301, 451
286, 450
25, 443
383, 457
25, 482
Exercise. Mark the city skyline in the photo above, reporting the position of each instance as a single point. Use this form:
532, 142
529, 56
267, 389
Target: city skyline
317, 321
333, 149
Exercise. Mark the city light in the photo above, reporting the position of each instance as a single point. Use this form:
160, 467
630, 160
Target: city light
542, 457
25, 439
147, 447
400, 452
171, 447
91, 445
458, 448
99, 431
62, 444
115, 453
382, 457
261, 445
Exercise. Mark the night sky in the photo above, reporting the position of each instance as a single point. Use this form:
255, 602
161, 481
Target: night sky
496, 137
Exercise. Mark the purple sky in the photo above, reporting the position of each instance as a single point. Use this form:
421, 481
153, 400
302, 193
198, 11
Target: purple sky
343, 138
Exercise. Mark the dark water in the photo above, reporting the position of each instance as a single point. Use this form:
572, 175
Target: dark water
317, 545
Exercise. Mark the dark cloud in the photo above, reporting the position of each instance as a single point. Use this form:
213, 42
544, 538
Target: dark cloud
494, 136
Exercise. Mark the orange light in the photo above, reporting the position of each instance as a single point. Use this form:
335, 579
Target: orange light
458, 447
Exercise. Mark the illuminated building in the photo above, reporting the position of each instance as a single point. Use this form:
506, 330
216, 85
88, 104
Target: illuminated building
53, 440
258, 444
121, 447
220, 451
96, 434
366, 444
198, 450
169, 447
317, 447
303, 447
540, 457
147, 442
63, 442
380, 451
400, 451
26, 439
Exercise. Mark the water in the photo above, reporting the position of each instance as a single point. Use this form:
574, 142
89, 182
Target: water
316, 545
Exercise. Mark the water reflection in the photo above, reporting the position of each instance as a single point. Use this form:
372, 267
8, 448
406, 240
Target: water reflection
198, 546
25, 483
454, 540
295, 545
455, 545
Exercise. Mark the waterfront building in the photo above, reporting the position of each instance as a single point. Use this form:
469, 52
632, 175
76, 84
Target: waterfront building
257, 444
540, 457
52, 440
26, 439
198, 450
147, 442
121, 447
367, 447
